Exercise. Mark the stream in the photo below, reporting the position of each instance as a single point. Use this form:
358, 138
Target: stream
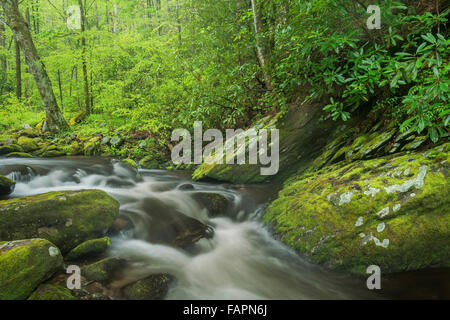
241, 261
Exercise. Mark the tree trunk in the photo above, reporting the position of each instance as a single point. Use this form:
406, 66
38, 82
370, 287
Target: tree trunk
262, 49
87, 107
3, 61
17, 23
18, 71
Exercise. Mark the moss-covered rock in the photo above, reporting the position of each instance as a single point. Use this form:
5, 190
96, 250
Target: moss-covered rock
52, 292
92, 146
10, 148
215, 203
89, 248
151, 162
19, 155
154, 287
28, 144
393, 212
130, 162
24, 264
6, 185
66, 218
102, 270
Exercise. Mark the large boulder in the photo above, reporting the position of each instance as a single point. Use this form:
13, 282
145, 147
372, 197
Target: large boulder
27, 144
215, 203
66, 218
6, 186
393, 212
24, 264
302, 134
154, 287
9, 148
89, 248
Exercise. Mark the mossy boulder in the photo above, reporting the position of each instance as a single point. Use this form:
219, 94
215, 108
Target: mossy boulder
27, 144
10, 148
19, 155
6, 186
130, 162
393, 212
24, 264
151, 162
52, 292
154, 287
92, 147
102, 270
66, 218
89, 248
215, 203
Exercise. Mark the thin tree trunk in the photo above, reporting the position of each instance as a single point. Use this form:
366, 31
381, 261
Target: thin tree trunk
261, 45
87, 107
3, 61
60, 89
18, 24
18, 70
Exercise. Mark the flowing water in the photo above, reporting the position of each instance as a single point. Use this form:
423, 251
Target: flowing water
241, 261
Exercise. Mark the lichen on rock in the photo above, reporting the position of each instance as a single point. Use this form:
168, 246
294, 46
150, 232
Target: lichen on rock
398, 216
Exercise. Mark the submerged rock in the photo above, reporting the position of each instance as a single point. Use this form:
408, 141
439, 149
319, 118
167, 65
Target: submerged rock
6, 186
102, 270
24, 264
154, 287
52, 292
66, 218
398, 216
89, 248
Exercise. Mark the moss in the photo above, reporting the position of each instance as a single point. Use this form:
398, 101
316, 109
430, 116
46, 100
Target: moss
340, 216
6, 185
102, 270
152, 161
92, 147
52, 292
24, 265
10, 148
67, 218
154, 287
28, 144
130, 162
79, 117
89, 248
19, 155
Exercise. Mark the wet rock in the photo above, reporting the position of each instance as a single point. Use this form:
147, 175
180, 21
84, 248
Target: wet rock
24, 264
28, 144
415, 144
398, 216
215, 203
154, 287
122, 223
169, 226
52, 292
186, 187
130, 162
103, 270
6, 186
89, 248
66, 218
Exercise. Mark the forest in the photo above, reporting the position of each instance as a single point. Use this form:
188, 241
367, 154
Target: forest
92, 91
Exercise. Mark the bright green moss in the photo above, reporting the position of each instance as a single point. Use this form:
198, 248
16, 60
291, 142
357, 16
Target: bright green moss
52, 292
89, 248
